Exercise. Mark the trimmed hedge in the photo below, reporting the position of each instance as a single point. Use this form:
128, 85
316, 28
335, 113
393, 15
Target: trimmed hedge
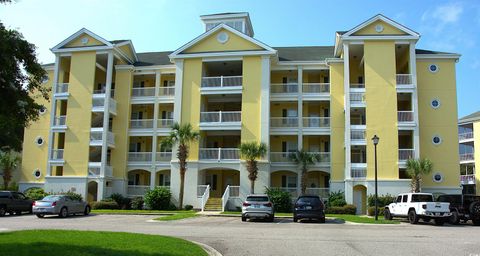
383, 200
137, 203
110, 205
281, 200
371, 210
123, 202
188, 207
346, 209
158, 198
336, 199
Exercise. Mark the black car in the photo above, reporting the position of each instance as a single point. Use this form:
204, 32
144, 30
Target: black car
463, 208
309, 207
14, 202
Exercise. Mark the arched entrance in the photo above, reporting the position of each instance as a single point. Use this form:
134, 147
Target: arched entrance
218, 179
286, 181
360, 198
138, 182
92, 191
163, 178
318, 183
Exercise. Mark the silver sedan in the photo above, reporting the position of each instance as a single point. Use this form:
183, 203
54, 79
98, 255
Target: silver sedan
61, 205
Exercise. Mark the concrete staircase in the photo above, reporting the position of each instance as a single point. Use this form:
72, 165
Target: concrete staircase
213, 205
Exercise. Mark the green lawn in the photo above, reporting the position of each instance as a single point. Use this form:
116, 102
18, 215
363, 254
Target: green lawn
138, 212
177, 216
85, 243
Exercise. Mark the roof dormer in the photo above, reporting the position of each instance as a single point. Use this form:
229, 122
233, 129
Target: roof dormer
237, 20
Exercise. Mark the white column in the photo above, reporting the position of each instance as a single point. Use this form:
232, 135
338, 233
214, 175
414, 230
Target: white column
53, 108
106, 116
152, 179
300, 107
177, 106
155, 118
346, 86
264, 105
413, 72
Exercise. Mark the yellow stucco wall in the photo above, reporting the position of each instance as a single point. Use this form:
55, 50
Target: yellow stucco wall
381, 111
251, 105
77, 42
77, 136
128, 51
387, 30
337, 122
211, 44
441, 121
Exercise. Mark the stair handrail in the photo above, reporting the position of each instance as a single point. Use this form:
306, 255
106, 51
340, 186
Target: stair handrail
205, 197
225, 197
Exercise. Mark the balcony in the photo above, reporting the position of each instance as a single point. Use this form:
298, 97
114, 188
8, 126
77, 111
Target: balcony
98, 105
323, 158
101, 93
221, 120
138, 92
358, 172
467, 179
60, 91
357, 86
94, 170
96, 138
219, 154
357, 136
164, 123
316, 124
56, 157
137, 190
405, 117
404, 81
140, 157
59, 123
283, 91
321, 192
222, 85
467, 157
465, 136
316, 91
357, 99
141, 124
293, 191
163, 157
405, 154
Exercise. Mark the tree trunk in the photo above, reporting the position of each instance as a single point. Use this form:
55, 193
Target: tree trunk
252, 187
182, 160
6, 178
252, 175
304, 180
182, 186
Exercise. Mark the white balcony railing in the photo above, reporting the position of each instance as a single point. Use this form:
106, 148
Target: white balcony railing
102, 91
322, 157
358, 157
95, 170
284, 88
137, 190
404, 79
113, 105
139, 156
60, 121
467, 179
467, 157
465, 136
405, 116
166, 91
405, 154
357, 86
357, 135
222, 81
163, 156
141, 124
284, 122
316, 122
61, 88
321, 192
221, 117
143, 91
97, 136
219, 154
358, 172
57, 154
164, 123
281, 157
316, 88
357, 97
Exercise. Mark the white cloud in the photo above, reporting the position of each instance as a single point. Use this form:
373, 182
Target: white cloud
448, 13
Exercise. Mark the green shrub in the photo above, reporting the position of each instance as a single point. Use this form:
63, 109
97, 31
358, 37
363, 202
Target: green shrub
72, 195
111, 205
123, 202
371, 211
13, 186
171, 207
188, 207
137, 203
383, 200
282, 200
346, 209
158, 198
35, 193
336, 199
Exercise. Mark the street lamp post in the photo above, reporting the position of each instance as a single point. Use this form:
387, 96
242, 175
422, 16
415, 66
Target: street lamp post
375, 140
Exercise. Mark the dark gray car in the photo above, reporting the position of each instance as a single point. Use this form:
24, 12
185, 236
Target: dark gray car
61, 205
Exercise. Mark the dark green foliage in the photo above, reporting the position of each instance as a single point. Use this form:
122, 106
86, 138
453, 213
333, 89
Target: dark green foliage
336, 199
105, 204
137, 203
72, 195
35, 193
158, 198
282, 200
123, 202
346, 209
188, 207
383, 200
371, 210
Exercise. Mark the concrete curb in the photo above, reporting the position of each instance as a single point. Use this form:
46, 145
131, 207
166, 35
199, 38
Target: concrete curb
208, 249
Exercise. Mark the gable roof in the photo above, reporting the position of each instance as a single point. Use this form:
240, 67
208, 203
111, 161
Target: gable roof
153, 58
304, 53
178, 53
77, 34
384, 19
470, 118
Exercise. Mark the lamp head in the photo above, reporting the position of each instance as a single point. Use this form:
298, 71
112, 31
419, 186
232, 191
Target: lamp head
375, 139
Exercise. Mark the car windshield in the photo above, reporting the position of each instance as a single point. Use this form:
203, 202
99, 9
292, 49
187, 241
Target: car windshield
422, 198
51, 198
257, 199
309, 200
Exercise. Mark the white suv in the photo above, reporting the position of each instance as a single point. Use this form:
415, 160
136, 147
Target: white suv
258, 206
418, 205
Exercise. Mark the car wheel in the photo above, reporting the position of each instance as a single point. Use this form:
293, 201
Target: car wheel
18, 212
321, 220
475, 209
3, 211
63, 213
454, 219
295, 219
476, 221
272, 218
30, 211
387, 215
87, 210
244, 218
426, 219
439, 221
412, 217
40, 215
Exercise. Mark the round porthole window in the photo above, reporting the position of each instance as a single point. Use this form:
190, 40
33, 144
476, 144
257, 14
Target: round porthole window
433, 68
37, 173
84, 40
42, 110
379, 28
222, 37
39, 141
45, 79
436, 140
435, 103
437, 177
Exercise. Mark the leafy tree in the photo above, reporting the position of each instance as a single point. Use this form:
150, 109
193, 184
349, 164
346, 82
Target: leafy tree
20, 84
304, 159
416, 168
8, 162
181, 136
251, 152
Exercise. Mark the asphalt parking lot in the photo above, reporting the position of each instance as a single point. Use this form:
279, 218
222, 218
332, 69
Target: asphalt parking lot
230, 236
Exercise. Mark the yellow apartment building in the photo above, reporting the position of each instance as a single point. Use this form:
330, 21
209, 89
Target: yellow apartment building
111, 106
468, 137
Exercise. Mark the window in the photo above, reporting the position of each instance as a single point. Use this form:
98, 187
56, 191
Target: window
416, 198
436, 140
405, 198
18, 196
399, 199
433, 68
42, 110
37, 173
39, 141
257, 199
438, 177
222, 37
435, 103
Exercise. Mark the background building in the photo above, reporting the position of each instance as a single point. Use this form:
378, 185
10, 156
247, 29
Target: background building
468, 137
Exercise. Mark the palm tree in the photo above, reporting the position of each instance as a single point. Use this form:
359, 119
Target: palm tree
304, 159
250, 152
181, 136
416, 168
8, 162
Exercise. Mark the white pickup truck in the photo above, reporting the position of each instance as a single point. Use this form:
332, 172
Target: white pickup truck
418, 205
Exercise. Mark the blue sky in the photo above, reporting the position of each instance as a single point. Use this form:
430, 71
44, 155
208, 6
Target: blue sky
163, 25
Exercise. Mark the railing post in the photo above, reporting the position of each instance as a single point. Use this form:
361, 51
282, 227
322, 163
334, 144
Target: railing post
220, 117
219, 152
221, 81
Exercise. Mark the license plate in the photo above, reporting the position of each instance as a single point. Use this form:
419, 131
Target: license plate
256, 206
308, 207
437, 214
41, 209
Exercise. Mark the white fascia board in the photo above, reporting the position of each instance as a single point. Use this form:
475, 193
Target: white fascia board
384, 19
224, 16
380, 37
124, 67
155, 67
438, 56
129, 42
124, 56
222, 54
82, 49
334, 60
78, 33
